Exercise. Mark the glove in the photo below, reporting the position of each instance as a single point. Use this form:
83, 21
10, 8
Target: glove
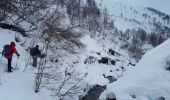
18, 55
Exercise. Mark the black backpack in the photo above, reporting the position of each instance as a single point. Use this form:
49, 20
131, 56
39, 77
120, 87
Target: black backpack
32, 52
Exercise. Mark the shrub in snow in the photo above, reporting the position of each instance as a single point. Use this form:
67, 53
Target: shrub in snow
131, 63
155, 39
112, 52
90, 60
135, 52
106, 60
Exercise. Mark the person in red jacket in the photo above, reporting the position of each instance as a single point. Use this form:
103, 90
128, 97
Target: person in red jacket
9, 55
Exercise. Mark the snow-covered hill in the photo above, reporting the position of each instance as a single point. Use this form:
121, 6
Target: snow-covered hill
160, 5
149, 80
128, 14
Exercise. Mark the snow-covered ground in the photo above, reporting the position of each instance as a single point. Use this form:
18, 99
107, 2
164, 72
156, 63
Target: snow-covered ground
18, 85
148, 80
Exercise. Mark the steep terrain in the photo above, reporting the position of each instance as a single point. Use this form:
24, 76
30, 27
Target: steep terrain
134, 14
149, 80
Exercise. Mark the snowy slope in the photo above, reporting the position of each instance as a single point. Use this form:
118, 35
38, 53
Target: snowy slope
18, 85
128, 14
148, 80
162, 5
95, 70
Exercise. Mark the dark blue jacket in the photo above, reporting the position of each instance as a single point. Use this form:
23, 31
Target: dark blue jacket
35, 51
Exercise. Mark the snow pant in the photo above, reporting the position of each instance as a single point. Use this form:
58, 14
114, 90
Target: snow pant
34, 61
9, 63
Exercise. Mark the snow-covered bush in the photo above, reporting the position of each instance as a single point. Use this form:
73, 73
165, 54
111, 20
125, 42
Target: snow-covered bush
90, 60
135, 50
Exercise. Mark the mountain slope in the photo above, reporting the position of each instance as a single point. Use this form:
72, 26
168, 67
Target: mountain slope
148, 80
129, 14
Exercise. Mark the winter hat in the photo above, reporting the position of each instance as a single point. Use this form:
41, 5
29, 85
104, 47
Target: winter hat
12, 44
37, 46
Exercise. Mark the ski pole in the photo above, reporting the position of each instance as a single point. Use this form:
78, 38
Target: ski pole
16, 63
1, 58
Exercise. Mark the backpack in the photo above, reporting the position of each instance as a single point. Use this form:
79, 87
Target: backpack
32, 52
6, 50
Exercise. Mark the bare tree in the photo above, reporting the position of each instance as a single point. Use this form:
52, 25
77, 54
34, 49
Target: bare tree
3, 9
62, 35
41, 68
67, 84
49, 73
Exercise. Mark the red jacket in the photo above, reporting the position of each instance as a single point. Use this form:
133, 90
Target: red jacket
12, 50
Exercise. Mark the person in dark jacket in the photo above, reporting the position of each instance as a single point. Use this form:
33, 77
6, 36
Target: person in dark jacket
9, 55
35, 53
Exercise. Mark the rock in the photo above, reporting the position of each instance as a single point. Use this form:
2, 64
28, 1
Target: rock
106, 60
110, 78
111, 96
94, 93
112, 52
161, 98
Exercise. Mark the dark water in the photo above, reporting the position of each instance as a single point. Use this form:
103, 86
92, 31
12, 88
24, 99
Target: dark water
94, 93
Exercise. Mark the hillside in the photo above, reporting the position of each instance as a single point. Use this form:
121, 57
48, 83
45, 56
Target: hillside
149, 80
134, 14
92, 49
